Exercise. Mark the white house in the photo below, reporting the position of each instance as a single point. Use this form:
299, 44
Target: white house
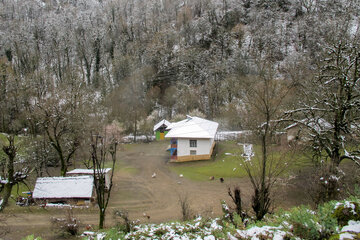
74, 190
90, 172
191, 139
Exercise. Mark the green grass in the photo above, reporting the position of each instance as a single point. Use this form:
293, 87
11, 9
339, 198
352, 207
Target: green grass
221, 165
120, 166
229, 166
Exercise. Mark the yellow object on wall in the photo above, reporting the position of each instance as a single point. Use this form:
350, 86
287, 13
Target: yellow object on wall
162, 136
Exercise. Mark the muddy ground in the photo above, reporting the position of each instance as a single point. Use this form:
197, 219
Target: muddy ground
140, 194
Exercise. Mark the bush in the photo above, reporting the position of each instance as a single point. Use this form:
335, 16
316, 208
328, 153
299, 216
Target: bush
126, 225
327, 221
68, 225
32, 237
305, 223
349, 210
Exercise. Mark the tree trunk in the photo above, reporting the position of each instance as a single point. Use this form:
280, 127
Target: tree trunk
101, 219
10, 151
6, 196
135, 129
63, 169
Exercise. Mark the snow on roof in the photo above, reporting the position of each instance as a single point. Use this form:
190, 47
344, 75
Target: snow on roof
87, 171
64, 187
162, 122
317, 125
177, 124
193, 127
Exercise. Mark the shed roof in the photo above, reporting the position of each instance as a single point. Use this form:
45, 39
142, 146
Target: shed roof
64, 187
177, 124
162, 122
87, 171
316, 124
193, 127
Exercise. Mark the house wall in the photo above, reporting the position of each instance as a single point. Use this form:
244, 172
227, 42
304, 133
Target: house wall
203, 146
195, 157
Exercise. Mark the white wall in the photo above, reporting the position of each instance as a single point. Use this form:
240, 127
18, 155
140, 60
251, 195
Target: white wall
203, 146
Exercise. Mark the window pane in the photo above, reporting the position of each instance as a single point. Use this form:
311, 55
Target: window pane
193, 143
192, 152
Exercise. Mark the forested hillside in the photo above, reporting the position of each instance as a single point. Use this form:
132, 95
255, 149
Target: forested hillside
127, 58
286, 71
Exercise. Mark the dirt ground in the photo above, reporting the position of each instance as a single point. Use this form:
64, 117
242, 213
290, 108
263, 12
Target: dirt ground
140, 194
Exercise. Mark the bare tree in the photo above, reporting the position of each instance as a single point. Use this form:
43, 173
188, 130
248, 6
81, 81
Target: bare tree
331, 115
63, 117
99, 152
186, 211
10, 176
265, 96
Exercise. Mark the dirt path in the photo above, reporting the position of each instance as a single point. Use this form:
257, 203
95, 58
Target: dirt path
159, 197
137, 193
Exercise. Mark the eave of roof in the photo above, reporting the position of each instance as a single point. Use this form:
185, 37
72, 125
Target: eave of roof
193, 127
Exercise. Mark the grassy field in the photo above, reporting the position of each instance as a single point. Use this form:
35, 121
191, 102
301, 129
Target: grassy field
227, 163
221, 165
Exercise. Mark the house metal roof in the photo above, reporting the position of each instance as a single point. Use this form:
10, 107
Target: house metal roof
64, 187
162, 122
193, 127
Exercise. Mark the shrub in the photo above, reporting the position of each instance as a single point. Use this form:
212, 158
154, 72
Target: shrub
304, 223
349, 210
68, 225
327, 221
186, 211
127, 224
32, 237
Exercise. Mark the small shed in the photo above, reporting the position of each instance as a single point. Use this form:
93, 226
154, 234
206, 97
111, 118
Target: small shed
160, 129
70, 190
90, 172
300, 131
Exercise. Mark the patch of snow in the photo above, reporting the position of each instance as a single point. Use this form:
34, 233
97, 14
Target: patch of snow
347, 204
100, 236
231, 135
87, 233
210, 237
231, 237
58, 205
255, 232
353, 226
346, 236
215, 225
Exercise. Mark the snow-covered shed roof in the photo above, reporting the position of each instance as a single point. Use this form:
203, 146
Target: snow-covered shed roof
64, 187
177, 124
162, 122
317, 125
87, 171
193, 127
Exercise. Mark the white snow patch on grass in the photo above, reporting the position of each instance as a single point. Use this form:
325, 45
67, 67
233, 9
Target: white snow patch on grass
353, 226
346, 236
